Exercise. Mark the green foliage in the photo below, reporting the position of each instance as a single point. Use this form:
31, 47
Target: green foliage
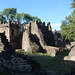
8, 11
36, 18
73, 4
11, 13
2, 19
68, 28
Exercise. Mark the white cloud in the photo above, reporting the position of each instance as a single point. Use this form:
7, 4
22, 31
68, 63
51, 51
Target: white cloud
55, 26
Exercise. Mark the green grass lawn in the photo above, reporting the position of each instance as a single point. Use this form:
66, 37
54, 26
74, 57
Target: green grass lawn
52, 63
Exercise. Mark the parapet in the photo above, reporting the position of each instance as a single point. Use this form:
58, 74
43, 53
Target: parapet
3, 24
48, 23
9, 23
44, 24
49, 26
40, 25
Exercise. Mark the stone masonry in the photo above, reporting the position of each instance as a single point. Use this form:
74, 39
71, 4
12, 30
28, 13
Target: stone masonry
11, 31
35, 37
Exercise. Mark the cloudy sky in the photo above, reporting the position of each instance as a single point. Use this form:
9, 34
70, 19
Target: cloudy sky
53, 11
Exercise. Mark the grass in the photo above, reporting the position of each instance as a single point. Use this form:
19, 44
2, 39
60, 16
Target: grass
52, 63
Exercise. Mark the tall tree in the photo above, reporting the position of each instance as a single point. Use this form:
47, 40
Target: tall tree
8, 11
73, 4
11, 13
68, 28
2, 19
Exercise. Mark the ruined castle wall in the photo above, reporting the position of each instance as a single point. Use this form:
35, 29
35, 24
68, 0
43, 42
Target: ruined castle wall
35, 30
25, 39
4, 28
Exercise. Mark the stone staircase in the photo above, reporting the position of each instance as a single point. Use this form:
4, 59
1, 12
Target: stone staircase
1, 45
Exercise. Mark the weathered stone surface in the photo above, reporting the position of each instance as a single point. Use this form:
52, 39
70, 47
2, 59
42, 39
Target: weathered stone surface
72, 52
71, 55
51, 50
21, 65
25, 42
15, 64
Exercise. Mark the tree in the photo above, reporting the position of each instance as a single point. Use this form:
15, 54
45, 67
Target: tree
11, 13
68, 28
26, 17
18, 16
8, 11
36, 18
2, 19
73, 4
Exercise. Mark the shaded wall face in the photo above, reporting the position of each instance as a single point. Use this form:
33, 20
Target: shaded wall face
14, 36
14, 31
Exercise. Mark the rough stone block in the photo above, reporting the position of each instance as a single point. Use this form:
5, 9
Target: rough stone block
51, 50
71, 55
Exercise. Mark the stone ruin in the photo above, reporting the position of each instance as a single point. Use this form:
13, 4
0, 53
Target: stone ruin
12, 31
35, 37
17, 64
71, 55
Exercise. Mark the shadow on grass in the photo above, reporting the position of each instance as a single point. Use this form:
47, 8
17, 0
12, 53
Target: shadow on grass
52, 63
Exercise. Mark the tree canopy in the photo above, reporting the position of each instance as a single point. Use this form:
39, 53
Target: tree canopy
68, 27
13, 15
73, 4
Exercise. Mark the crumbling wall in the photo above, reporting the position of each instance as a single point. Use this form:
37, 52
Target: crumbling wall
4, 28
33, 38
25, 39
11, 31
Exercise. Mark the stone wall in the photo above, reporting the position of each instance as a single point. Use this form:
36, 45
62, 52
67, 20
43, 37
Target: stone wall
4, 28
71, 55
35, 35
11, 31
25, 41
72, 43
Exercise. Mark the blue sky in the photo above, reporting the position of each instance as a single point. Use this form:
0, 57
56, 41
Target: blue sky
53, 11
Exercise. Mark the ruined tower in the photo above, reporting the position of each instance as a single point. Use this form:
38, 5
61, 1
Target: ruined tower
11, 30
